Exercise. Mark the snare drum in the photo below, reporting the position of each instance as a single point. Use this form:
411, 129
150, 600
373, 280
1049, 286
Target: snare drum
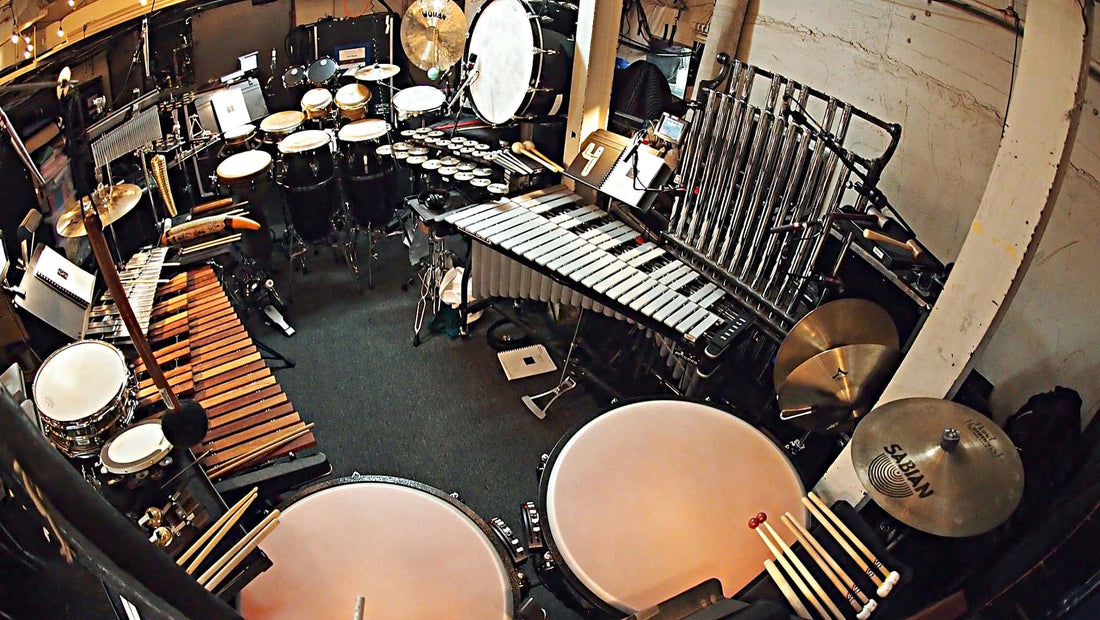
651, 498
278, 126
351, 101
524, 69
82, 392
316, 103
386, 540
130, 457
417, 101
322, 71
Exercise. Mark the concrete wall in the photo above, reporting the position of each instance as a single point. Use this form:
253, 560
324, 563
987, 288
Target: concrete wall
944, 75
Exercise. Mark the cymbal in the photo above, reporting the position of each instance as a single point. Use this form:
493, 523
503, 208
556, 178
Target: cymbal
112, 204
938, 466
837, 323
837, 386
433, 33
376, 72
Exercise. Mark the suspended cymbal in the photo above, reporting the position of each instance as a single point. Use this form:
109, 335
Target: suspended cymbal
433, 33
835, 324
938, 466
376, 72
111, 203
837, 386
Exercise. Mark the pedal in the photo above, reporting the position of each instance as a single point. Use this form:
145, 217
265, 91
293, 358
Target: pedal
540, 412
277, 319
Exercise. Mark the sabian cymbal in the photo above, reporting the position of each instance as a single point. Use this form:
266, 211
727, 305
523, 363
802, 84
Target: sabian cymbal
111, 203
938, 466
835, 324
837, 386
377, 72
433, 33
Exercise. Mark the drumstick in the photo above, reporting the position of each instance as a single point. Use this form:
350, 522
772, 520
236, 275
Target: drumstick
785, 588
801, 568
238, 461
241, 555
230, 519
530, 146
211, 206
241, 544
808, 540
802, 587
909, 245
892, 577
883, 588
862, 611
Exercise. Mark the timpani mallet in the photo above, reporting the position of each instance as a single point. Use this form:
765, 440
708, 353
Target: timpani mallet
891, 577
844, 584
532, 148
241, 544
810, 579
785, 588
213, 529
883, 588
754, 523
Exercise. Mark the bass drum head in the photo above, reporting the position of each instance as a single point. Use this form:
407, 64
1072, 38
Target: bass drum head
411, 551
503, 37
79, 380
675, 483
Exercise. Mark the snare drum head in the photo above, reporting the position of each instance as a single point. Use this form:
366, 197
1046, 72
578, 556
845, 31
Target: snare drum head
352, 96
135, 448
302, 141
417, 99
282, 121
321, 70
502, 37
652, 498
316, 99
79, 380
366, 129
410, 553
244, 165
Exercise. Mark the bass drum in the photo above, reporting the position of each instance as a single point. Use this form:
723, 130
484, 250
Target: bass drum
524, 69
411, 551
652, 498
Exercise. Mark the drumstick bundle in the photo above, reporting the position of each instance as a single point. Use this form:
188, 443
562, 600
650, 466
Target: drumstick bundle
796, 581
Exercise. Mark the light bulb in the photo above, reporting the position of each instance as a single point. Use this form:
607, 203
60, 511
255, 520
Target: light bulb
14, 38
72, 3
60, 32
26, 39
143, 2
26, 54
30, 48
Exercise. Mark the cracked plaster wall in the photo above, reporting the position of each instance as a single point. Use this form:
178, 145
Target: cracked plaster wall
944, 75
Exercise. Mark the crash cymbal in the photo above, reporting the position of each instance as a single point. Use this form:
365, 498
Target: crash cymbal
835, 324
376, 72
837, 386
938, 466
433, 33
112, 203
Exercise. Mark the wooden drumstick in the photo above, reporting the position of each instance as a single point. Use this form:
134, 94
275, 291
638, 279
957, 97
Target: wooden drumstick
241, 544
241, 555
785, 588
215, 205
883, 588
237, 462
530, 146
227, 522
847, 588
802, 587
810, 579
910, 245
891, 577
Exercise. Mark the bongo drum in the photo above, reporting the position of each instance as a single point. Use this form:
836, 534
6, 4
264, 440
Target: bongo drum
316, 103
351, 101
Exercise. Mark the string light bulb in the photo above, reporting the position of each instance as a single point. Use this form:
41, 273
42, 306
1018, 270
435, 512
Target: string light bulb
14, 38
30, 48
26, 54
60, 31
26, 39
143, 2
72, 3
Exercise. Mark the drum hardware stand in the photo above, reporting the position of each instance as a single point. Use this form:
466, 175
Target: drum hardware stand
431, 272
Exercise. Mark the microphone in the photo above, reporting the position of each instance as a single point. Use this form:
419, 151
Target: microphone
186, 426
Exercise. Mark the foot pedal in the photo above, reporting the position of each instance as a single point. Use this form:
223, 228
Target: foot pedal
276, 317
540, 412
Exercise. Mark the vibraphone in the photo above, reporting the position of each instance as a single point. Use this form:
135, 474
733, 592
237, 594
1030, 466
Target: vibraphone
207, 355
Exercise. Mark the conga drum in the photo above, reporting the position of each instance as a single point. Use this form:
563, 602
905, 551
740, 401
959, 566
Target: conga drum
310, 180
351, 101
409, 551
652, 498
247, 177
367, 170
278, 126
359, 142
418, 102
237, 140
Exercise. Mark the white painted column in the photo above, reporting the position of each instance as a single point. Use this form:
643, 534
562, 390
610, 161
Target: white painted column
1021, 190
724, 36
593, 69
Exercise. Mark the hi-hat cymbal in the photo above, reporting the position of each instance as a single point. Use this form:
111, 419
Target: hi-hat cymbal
433, 33
835, 324
837, 386
938, 466
376, 72
111, 203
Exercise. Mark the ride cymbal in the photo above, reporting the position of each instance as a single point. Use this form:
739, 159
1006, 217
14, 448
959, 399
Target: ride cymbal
376, 72
938, 466
837, 386
112, 204
433, 34
835, 324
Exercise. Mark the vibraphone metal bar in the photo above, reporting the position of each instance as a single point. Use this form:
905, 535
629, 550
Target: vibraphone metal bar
209, 356
139, 278
752, 162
